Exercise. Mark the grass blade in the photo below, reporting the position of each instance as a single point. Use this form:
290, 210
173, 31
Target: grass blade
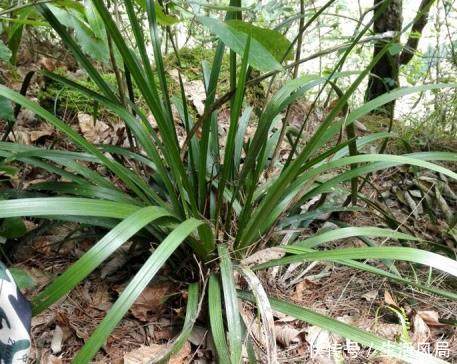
206, 126
413, 255
142, 131
235, 111
263, 305
276, 191
86, 190
134, 289
378, 102
192, 311
124, 174
348, 232
400, 351
216, 320
156, 43
231, 305
57, 206
77, 53
95, 256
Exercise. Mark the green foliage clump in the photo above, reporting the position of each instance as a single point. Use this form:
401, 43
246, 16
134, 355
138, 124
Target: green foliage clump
191, 62
62, 99
210, 200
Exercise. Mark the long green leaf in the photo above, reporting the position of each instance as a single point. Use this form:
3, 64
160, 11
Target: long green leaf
216, 320
378, 102
290, 172
77, 53
273, 41
231, 305
382, 164
371, 269
400, 351
348, 232
206, 128
134, 289
142, 131
259, 57
163, 116
87, 190
235, 112
396, 278
95, 256
55, 206
192, 311
117, 168
379, 161
413, 255
156, 44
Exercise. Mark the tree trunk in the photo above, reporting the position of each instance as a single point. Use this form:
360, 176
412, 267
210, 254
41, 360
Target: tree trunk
384, 75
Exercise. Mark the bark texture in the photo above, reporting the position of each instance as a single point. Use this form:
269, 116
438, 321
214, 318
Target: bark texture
384, 75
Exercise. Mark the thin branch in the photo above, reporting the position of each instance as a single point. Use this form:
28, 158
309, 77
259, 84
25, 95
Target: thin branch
420, 21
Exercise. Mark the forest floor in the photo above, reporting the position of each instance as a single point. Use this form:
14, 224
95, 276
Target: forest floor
390, 310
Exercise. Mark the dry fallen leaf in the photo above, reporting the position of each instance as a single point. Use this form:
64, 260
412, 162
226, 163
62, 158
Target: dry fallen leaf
388, 298
390, 331
47, 358
47, 63
421, 330
117, 260
145, 354
306, 285
26, 117
317, 337
253, 325
443, 205
27, 129
370, 295
198, 335
99, 132
264, 256
431, 318
25, 135
100, 298
320, 342
287, 335
57, 339
150, 301
195, 90
94, 131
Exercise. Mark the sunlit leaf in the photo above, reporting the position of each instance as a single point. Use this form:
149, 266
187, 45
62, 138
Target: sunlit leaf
259, 56
272, 40
162, 18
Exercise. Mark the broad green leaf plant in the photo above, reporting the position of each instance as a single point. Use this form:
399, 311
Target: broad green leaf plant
220, 204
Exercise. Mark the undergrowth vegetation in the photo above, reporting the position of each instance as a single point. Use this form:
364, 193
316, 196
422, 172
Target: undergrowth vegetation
216, 197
